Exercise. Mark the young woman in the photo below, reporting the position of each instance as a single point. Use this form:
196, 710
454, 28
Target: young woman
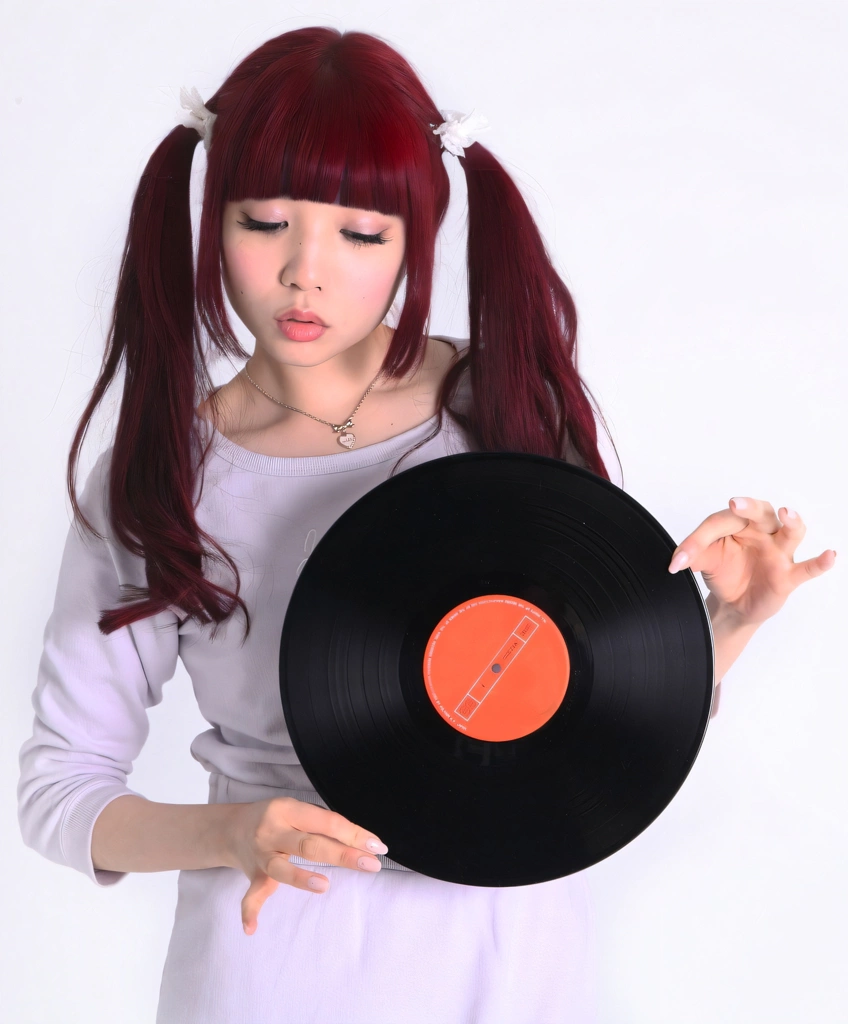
324, 192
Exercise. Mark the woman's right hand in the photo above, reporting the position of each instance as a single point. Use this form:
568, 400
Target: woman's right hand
264, 834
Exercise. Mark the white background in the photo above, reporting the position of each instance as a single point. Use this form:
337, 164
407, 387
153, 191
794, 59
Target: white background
687, 164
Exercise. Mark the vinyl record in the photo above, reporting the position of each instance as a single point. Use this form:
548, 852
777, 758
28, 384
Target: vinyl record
486, 662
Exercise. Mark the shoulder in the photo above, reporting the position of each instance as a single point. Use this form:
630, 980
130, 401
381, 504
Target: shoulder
95, 490
221, 401
459, 344
462, 399
606, 446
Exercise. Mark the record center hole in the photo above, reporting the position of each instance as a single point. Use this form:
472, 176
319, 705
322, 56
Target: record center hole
496, 668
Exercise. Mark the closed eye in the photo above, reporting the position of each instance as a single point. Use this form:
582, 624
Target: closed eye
359, 239
259, 225
356, 237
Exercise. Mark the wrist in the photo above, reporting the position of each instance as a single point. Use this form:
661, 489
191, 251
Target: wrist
731, 634
223, 832
724, 617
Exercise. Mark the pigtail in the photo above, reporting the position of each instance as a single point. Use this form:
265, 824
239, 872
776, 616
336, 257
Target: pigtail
154, 463
527, 393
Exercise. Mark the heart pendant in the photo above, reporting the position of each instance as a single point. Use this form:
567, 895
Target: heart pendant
347, 440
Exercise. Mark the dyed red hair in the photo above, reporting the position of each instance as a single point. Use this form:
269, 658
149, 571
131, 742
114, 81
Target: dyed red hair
325, 116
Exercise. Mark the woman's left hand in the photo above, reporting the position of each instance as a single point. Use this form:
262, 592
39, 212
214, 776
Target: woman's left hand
744, 554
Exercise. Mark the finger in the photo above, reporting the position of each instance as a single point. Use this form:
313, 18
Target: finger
726, 523
792, 532
713, 528
259, 890
314, 846
803, 571
760, 513
280, 871
312, 818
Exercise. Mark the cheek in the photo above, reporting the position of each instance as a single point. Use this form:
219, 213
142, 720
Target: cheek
244, 269
375, 288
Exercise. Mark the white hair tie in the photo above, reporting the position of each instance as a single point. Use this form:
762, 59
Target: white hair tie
458, 130
199, 116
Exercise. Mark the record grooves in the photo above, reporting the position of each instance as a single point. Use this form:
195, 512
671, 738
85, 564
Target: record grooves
486, 662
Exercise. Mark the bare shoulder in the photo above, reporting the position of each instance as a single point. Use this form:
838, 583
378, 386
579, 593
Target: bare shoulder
442, 355
226, 406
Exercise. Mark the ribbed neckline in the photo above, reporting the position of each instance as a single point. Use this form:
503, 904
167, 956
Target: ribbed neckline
316, 465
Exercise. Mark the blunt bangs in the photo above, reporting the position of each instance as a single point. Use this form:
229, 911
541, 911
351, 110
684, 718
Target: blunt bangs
327, 145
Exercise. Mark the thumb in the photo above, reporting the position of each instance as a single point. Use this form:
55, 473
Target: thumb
260, 889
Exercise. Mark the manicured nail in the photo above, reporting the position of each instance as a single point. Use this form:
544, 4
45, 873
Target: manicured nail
375, 846
369, 863
318, 884
679, 560
739, 502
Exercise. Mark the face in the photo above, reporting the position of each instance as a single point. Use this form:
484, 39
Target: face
286, 258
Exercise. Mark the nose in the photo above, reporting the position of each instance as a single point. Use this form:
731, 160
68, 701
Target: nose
302, 267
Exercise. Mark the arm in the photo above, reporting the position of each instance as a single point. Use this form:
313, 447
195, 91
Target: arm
730, 638
134, 834
92, 694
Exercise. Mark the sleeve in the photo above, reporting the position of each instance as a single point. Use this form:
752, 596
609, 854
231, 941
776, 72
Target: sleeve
92, 693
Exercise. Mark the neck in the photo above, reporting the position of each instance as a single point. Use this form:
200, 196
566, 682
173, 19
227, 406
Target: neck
329, 389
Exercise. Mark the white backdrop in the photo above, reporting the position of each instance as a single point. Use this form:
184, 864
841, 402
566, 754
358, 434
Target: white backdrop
687, 162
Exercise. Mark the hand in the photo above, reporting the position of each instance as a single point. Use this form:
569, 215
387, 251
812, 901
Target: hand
744, 554
266, 833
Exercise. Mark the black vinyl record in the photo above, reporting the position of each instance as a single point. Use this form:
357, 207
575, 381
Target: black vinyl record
486, 662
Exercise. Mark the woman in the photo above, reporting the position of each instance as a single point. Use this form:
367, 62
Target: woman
324, 193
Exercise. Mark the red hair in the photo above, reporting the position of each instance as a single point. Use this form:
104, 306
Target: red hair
329, 117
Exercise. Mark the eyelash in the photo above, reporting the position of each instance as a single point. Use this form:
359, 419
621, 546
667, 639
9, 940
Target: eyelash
357, 239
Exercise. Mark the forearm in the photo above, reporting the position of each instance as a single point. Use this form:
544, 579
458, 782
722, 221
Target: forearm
729, 637
134, 834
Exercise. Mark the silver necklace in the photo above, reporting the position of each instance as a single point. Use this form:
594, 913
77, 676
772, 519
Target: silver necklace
346, 439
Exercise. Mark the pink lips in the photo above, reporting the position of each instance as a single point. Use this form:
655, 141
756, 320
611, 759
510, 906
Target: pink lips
301, 325
301, 314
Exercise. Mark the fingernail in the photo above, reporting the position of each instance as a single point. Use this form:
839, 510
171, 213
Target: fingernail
679, 560
791, 514
318, 884
739, 502
369, 863
375, 846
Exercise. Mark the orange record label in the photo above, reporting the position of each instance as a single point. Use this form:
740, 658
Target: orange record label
496, 667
